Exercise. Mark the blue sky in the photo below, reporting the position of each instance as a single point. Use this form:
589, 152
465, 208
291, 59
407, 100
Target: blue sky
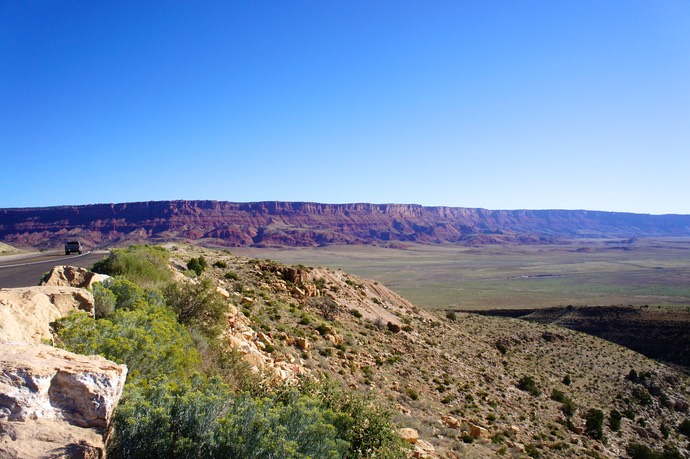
494, 104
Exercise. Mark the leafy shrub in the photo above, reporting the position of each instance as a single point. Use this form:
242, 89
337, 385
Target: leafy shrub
364, 424
594, 424
642, 395
205, 420
501, 347
528, 384
198, 265
356, 313
148, 340
327, 306
104, 300
452, 316
144, 265
557, 395
568, 407
220, 264
684, 427
639, 451
127, 294
197, 304
232, 276
615, 420
322, 329
566, 380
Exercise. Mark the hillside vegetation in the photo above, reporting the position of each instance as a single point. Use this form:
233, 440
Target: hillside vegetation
236, 357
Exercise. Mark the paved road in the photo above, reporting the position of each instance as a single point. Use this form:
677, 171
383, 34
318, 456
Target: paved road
27, 270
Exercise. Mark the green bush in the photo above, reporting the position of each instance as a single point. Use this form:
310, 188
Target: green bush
364, 424
568, 407
232, 276
198, 265
104, 300
197, 305
323, 329
142, 333
451, 315
615, 420
501, 347
147, 266
594, 424
684, 427
205, 419
639, 451
528, 384
557, 395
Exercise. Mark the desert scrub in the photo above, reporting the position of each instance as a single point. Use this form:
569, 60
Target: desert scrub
145, 265
501, 347
197, 305
204, 419
594, 424
528, 384
103, 300
615, 420
148, 340
231, 275
198, 265
364, 423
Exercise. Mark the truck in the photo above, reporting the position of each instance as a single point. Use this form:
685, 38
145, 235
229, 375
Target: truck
73, 246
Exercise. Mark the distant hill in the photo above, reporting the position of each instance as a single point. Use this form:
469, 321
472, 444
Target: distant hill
312, 224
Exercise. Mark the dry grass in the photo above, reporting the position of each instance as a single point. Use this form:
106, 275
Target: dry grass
586, 272
435, 366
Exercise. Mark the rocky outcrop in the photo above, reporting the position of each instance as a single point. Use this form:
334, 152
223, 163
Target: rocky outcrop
72, 276
54, 403
26, 313
310, 224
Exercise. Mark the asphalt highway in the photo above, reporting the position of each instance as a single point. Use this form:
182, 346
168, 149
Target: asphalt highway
27, 269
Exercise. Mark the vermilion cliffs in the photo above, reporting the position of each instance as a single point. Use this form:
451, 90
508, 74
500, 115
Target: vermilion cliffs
310, 224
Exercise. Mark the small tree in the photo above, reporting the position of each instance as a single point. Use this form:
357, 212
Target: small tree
198, 265
615, 420
594, 424
528, 384
197, 304
684, 428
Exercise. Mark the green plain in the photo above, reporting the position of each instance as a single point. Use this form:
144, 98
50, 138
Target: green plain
579, 272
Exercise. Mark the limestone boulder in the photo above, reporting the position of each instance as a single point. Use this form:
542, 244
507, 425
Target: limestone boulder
26, 313
72, 276
409, 435
479, 433
40, 438
423, 450
54, 403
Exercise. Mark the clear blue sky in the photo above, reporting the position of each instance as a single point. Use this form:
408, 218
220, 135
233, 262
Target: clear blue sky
494, 104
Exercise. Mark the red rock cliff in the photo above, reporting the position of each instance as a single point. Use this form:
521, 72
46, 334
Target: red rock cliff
306, 223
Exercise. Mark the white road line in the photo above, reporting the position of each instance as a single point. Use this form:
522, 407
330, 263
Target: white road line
44, 261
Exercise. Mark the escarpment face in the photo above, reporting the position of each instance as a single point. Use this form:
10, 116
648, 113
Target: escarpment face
313, 224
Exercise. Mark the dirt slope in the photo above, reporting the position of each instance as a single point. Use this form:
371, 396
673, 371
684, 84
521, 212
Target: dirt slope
453, 379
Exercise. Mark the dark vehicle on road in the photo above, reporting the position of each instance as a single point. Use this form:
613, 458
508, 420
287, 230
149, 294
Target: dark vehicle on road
73, 246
